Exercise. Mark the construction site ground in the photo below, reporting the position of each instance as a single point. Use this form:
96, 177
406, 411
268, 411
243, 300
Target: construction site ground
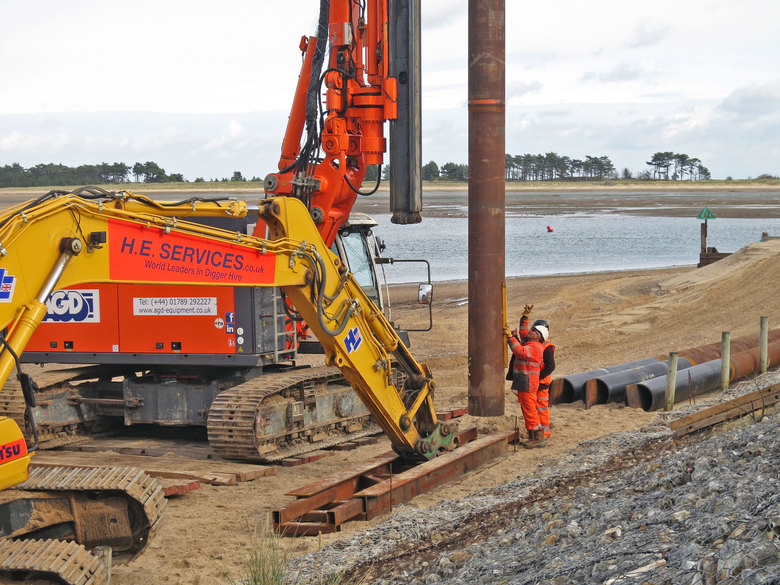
596, 320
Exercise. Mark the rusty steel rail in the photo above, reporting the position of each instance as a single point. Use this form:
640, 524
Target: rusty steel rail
375, 486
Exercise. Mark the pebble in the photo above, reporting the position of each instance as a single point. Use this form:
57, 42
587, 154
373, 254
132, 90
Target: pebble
696, 514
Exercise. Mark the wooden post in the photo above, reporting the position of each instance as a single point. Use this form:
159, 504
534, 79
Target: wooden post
763, 345
104, 553
725, 358
704, 237
671, 381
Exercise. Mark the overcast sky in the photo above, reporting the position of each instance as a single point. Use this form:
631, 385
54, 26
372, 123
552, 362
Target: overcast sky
204, 88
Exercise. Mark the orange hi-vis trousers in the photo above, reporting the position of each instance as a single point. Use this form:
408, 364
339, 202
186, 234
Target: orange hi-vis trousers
530, 407
543, 407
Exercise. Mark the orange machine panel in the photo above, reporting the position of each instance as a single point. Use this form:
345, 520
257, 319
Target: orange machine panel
176, 319
82, 318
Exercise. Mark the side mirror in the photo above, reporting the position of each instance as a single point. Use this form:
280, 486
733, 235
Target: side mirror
425, 293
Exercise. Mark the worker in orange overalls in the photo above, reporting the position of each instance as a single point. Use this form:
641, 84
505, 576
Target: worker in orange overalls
548, 367
528, 356
545, 376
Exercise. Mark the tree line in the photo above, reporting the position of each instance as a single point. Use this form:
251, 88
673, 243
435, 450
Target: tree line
680, 165
525, 167
15, 175
554, 167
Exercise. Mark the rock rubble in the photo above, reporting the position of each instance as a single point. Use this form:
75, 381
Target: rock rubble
632, 508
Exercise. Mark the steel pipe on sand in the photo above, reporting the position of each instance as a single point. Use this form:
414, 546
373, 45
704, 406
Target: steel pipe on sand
612, 387
698, 379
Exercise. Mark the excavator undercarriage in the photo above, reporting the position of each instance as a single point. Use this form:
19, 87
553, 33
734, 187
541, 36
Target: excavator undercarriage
251, 415
43, 519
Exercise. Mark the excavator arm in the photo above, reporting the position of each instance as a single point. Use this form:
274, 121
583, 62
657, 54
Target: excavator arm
65, 239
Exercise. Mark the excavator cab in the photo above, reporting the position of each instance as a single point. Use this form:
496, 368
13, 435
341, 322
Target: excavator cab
357, 247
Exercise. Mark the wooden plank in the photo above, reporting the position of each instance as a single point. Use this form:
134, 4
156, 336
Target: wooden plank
178, 489
207, 477
253, 474
307, 458
144, 447
762, 394
725, 411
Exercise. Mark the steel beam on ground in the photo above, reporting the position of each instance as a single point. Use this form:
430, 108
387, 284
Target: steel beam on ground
367, 490
380, 498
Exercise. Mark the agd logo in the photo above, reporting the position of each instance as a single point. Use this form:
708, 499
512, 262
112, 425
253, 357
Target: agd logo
73, 306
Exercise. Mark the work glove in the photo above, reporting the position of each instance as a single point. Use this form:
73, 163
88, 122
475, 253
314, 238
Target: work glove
507, 332
527, 310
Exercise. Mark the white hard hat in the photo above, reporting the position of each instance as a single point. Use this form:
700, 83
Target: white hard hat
543, 331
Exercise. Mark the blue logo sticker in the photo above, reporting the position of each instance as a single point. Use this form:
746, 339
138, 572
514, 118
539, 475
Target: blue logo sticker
73, 306
353, 340
7, 284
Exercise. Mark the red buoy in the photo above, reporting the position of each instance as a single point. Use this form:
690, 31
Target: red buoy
549, 228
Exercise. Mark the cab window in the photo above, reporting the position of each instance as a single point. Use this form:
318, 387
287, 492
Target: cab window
359, 262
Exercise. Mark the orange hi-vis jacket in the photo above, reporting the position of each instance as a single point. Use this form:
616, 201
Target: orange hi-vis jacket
527, 365
548, 352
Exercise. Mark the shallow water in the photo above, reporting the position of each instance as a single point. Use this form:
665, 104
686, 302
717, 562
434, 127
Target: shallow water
579, 242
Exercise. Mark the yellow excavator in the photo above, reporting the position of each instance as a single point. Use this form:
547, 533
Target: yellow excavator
64, 239
50, 517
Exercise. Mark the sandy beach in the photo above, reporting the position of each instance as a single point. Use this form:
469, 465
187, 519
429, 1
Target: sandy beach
596, 320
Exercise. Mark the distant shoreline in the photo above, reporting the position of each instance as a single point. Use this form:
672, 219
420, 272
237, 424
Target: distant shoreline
510, 186
735, 199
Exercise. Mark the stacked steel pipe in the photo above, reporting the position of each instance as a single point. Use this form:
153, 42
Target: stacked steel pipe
612, 387
639, 382
700, 379
572, 388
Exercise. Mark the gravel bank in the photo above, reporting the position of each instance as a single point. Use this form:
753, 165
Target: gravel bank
638, 507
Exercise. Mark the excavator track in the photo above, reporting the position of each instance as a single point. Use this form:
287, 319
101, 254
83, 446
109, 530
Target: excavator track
134, 484
273, 417
110, 506
55, 561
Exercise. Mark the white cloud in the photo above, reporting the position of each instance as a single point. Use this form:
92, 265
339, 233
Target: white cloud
754, 101
205, 89
647, 35
619, 73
